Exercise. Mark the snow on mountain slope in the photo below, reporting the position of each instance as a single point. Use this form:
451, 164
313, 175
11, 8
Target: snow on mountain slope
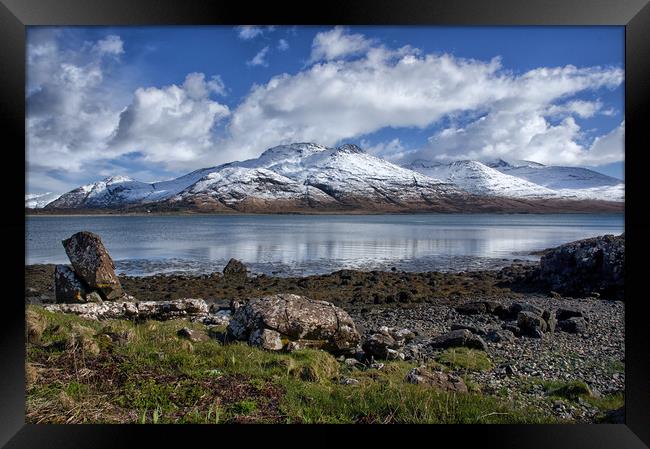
40, 200
347, 171
232, 184
117, 191
570, 182
480, 179
309, 175
555, 177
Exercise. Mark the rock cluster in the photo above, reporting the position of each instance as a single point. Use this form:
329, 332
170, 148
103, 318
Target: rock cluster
390, 343
196, 309
92, 278
290, 321
586, 267
522, 319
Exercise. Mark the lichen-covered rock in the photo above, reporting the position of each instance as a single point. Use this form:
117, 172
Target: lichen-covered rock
68, 287
145, 310
595, 265
235, 271
93, 264
436, 379
266, 339
459, 338
296, 318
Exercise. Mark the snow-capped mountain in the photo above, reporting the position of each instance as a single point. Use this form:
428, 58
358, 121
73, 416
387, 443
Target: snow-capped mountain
40, 200
570, 182
524, 179
480, 179
307, 176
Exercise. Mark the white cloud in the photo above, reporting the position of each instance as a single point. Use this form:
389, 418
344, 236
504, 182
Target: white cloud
608, 148
259, 58
69, 116
344, 99
581, 108
171, 125
355, 87
110, 45
248, 32
338, 43
283, 45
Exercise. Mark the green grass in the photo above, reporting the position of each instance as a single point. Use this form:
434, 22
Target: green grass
157, 377
465, 359
571, 390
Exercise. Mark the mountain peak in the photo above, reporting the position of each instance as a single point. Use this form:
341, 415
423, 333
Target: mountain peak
350, 148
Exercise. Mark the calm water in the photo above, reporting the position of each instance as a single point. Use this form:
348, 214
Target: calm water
299, 245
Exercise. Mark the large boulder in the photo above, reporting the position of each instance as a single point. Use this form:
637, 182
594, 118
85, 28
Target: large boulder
296, 318
92, 263
581, 268
68, 287
458, 338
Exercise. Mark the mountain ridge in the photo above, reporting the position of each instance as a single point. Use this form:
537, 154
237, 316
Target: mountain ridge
304, 177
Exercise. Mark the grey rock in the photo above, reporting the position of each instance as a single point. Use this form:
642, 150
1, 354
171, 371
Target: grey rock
68, 287
93, 264
378, 345
457, 338
297, 318
574, 325
192, 335
531, 324
145, 310
499, 335
595, 265
436, 379
266, 339
473, 329
235, 271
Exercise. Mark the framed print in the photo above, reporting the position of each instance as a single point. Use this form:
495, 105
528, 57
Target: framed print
362, 214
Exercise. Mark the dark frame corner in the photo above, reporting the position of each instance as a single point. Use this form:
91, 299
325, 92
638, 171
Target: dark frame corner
15, 15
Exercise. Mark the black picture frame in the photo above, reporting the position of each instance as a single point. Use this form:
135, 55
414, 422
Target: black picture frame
15, 15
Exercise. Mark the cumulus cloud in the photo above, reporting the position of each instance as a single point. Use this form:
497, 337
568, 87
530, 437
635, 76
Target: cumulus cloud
339, 99
69, 116
171, 125
110, 45
338, 43
608, 148
259, 58
78, 123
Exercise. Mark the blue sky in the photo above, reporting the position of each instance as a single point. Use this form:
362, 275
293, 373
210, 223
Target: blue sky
157, 102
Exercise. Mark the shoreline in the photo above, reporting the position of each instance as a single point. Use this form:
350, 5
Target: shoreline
524, 372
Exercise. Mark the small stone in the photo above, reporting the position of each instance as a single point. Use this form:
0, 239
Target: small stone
349, 381
192, 335
94, 297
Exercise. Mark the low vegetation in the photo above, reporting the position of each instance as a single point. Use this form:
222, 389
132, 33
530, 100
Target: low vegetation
119, 372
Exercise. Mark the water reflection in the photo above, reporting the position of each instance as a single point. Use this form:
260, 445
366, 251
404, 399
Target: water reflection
316, 244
